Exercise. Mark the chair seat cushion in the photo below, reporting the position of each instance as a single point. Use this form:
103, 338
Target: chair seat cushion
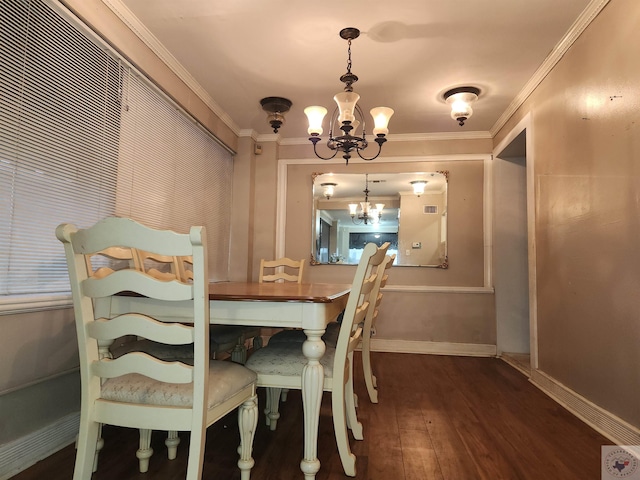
330, 337
225, 380
286, 359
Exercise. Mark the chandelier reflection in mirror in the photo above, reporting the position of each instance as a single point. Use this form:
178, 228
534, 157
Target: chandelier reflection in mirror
348, 116
366, 215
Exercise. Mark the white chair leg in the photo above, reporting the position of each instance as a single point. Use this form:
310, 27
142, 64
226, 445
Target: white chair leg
267, 408
273, 394
347, 458
247, 422
239, 354
350, 405
87, 449
172, 443
145, 451
369, 378
257, 342
99, 445
196, 453
283, 395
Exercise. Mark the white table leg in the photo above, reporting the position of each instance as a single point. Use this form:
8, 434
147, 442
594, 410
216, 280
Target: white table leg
312, 381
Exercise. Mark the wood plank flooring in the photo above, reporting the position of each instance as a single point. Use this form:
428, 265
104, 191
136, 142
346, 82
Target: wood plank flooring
439, 417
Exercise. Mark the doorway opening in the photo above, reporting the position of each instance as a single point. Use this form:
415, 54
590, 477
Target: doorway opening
513, 256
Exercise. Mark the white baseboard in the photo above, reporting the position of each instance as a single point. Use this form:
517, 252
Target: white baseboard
20, 454
604, 422
433, 348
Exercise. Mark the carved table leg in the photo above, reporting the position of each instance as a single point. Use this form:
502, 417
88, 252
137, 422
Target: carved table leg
312, 382
247, 421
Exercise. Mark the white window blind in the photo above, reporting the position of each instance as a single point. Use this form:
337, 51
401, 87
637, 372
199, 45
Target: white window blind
83, 136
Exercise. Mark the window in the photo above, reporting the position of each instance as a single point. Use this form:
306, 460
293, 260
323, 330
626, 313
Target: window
84, 136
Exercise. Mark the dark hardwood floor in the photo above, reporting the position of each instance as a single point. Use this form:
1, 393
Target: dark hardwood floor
439, 417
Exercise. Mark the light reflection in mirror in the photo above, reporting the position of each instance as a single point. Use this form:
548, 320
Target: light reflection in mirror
409, 210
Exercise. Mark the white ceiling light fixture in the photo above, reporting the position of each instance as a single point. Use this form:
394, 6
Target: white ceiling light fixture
328, 189
348, 116
366, 215
418, 186
461, 99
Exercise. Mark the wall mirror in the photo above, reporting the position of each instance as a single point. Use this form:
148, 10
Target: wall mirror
409, 210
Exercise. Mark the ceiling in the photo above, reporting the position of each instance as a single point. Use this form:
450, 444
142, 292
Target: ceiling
408, 54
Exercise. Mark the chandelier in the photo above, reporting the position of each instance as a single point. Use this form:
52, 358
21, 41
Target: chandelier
348, 116
366, 215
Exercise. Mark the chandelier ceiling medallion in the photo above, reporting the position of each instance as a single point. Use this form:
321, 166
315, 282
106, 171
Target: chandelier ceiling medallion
348, 116
366, 215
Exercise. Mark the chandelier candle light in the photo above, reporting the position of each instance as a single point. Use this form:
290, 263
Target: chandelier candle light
348, 116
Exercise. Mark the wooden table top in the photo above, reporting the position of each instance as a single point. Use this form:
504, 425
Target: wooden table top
278, 292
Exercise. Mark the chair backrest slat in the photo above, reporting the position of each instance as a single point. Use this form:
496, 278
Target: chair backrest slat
135, 281
141, 326
143, 364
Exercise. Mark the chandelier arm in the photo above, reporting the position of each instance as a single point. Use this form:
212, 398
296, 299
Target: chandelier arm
377, 154
364, 123
315, 140
332, 121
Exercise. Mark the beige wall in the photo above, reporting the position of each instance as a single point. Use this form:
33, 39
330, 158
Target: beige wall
416, 226
459, 318
586, 153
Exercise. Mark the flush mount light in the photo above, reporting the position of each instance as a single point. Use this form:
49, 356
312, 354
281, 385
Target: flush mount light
460, 100
276, 107
418, 186
348, 116
328, 189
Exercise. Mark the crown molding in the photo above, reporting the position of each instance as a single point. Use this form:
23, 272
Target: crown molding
248, 132
143, 33
582, 22
411, 137
270, 137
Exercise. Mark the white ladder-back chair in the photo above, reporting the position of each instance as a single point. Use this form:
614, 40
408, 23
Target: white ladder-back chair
99, 265
280, 366
138, 390
281, 270
331, 336
369, 325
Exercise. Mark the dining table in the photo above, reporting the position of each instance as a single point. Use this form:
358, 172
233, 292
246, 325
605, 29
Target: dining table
307, 306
